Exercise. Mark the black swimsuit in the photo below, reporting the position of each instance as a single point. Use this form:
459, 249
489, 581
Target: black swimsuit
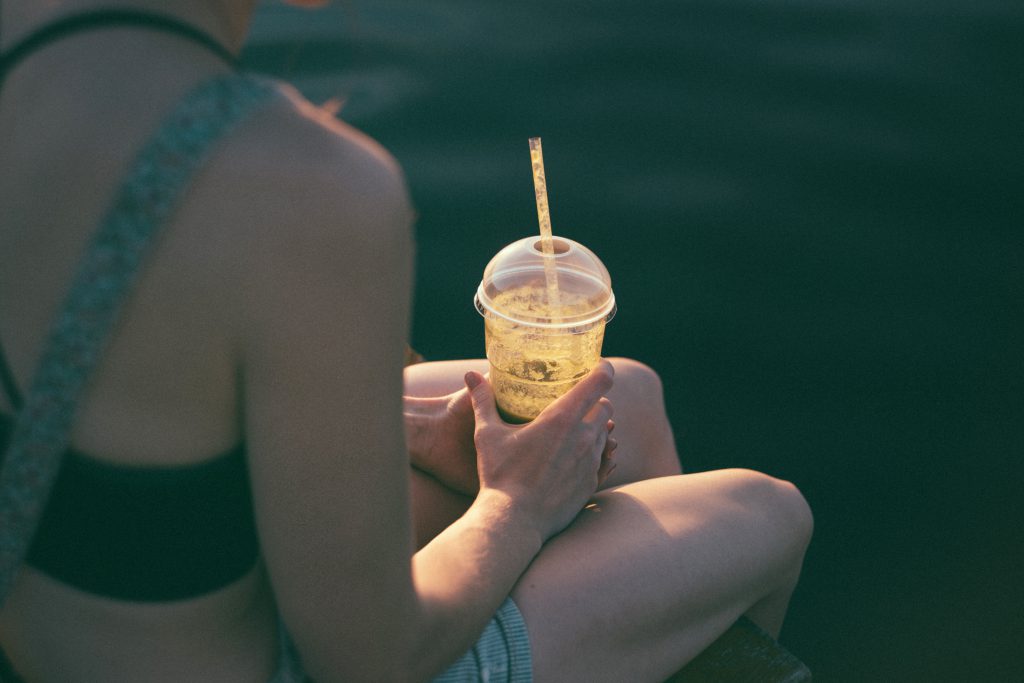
145, 533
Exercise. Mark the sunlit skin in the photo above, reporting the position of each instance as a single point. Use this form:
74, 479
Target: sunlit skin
396, 510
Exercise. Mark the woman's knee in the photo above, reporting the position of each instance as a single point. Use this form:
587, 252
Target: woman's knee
775, 501
644, 427
637, 378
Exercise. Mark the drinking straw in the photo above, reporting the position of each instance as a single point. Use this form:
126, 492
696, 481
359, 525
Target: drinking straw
547, 245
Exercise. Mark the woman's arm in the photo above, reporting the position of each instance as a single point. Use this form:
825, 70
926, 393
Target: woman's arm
327, 303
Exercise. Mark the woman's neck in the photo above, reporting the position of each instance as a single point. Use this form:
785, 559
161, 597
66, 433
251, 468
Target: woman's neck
225, 20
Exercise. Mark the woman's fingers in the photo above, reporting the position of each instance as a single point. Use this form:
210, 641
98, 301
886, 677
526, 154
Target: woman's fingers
600, 414
607, 463
484, 409
579, 400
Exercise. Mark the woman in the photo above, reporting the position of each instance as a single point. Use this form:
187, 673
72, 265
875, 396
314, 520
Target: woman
247, 414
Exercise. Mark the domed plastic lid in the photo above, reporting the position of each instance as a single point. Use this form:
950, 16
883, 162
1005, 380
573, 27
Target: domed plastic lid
515, 285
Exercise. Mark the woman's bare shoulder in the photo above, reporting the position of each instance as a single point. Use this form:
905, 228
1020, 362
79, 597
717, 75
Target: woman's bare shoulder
291, 202
295, 169
312, 137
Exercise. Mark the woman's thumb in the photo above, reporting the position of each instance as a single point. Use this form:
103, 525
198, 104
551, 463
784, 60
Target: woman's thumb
483, 398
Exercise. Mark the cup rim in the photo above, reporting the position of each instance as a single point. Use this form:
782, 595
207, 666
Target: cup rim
602, 314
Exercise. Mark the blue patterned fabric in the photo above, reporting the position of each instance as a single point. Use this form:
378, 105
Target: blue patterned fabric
501, 654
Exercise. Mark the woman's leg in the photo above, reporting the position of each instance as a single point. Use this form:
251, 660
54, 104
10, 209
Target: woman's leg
647, 447
652, 572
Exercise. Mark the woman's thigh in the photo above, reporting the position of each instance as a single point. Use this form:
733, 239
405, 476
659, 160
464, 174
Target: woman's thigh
652, 572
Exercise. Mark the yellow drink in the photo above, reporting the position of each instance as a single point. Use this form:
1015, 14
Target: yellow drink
532, 366
540, 343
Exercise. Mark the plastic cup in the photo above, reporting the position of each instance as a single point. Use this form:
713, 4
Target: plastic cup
536, 351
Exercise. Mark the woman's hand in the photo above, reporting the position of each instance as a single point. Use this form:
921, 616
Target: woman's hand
550, 467
439, 436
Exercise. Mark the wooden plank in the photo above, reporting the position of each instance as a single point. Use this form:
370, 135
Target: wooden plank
744, 654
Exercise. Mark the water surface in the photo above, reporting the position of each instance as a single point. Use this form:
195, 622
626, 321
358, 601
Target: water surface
811, 212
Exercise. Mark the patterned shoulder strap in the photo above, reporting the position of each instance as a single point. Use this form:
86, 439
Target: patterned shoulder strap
160, 174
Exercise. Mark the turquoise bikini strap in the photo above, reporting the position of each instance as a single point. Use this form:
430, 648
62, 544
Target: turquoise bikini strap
152, 189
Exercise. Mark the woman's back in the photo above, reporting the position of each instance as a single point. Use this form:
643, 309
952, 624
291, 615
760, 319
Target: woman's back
167, 391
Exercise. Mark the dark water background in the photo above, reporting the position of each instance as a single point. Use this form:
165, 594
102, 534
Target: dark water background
812, 214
